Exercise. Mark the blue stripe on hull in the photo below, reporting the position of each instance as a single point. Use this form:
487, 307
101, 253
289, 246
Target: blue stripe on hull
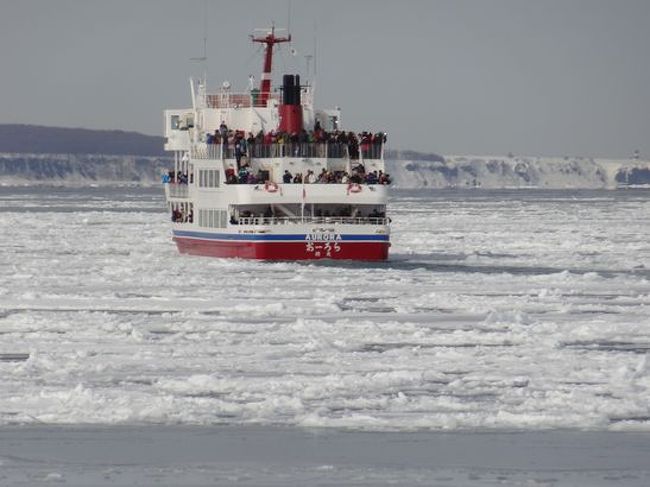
275, 237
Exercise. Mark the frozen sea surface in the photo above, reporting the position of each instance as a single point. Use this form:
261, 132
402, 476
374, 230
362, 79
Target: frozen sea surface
497, 311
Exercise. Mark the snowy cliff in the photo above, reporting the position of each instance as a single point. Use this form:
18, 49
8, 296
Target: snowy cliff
73, 169
518, 172
408, 170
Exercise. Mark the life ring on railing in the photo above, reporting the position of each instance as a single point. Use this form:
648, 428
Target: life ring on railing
354, 188
270, 187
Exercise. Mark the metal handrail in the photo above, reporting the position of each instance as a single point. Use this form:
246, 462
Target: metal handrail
207, 151
343, 220
178, 190
237, 100
324, 150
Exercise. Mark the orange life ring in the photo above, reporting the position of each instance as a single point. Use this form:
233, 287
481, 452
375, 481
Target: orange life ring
270, 186
354, 188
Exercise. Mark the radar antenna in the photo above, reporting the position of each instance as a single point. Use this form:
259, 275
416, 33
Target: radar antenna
270, 40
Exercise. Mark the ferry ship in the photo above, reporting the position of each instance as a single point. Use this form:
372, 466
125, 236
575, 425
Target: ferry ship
264, 174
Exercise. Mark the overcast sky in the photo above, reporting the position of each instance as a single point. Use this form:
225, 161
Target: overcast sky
552, 77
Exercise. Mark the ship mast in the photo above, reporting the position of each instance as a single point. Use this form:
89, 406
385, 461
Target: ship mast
270, 40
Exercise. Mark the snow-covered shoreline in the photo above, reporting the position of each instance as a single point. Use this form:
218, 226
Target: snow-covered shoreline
19, 169
497, 172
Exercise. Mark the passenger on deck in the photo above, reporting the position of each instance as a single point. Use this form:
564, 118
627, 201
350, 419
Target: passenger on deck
243, 175
287, 177
231, 178
297, 178
311, 177
240, 147
356, 178
371, 178
323, 177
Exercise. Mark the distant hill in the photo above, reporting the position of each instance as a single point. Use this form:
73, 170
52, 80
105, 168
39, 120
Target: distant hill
35, 139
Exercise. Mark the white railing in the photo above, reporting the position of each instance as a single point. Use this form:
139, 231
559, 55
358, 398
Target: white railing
372, 151
207, 151
290, 149
237, 100
177, 190
342, 220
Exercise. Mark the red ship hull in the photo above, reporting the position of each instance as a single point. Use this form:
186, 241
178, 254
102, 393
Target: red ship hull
264, 250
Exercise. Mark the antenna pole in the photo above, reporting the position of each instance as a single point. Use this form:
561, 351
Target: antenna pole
289, 16
315, 58
203, 59
205, 43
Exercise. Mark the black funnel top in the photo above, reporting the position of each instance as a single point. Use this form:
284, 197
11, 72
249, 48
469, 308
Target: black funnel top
291, 89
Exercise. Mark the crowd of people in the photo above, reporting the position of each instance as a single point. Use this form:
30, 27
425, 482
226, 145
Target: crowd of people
366, 143
359, 176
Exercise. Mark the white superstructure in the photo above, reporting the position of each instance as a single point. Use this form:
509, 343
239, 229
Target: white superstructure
229, 194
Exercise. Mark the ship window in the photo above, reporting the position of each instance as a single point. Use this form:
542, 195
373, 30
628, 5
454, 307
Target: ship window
174, 122
212, 218
208, 178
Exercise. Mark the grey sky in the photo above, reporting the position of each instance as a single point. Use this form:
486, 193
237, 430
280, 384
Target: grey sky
555, 77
